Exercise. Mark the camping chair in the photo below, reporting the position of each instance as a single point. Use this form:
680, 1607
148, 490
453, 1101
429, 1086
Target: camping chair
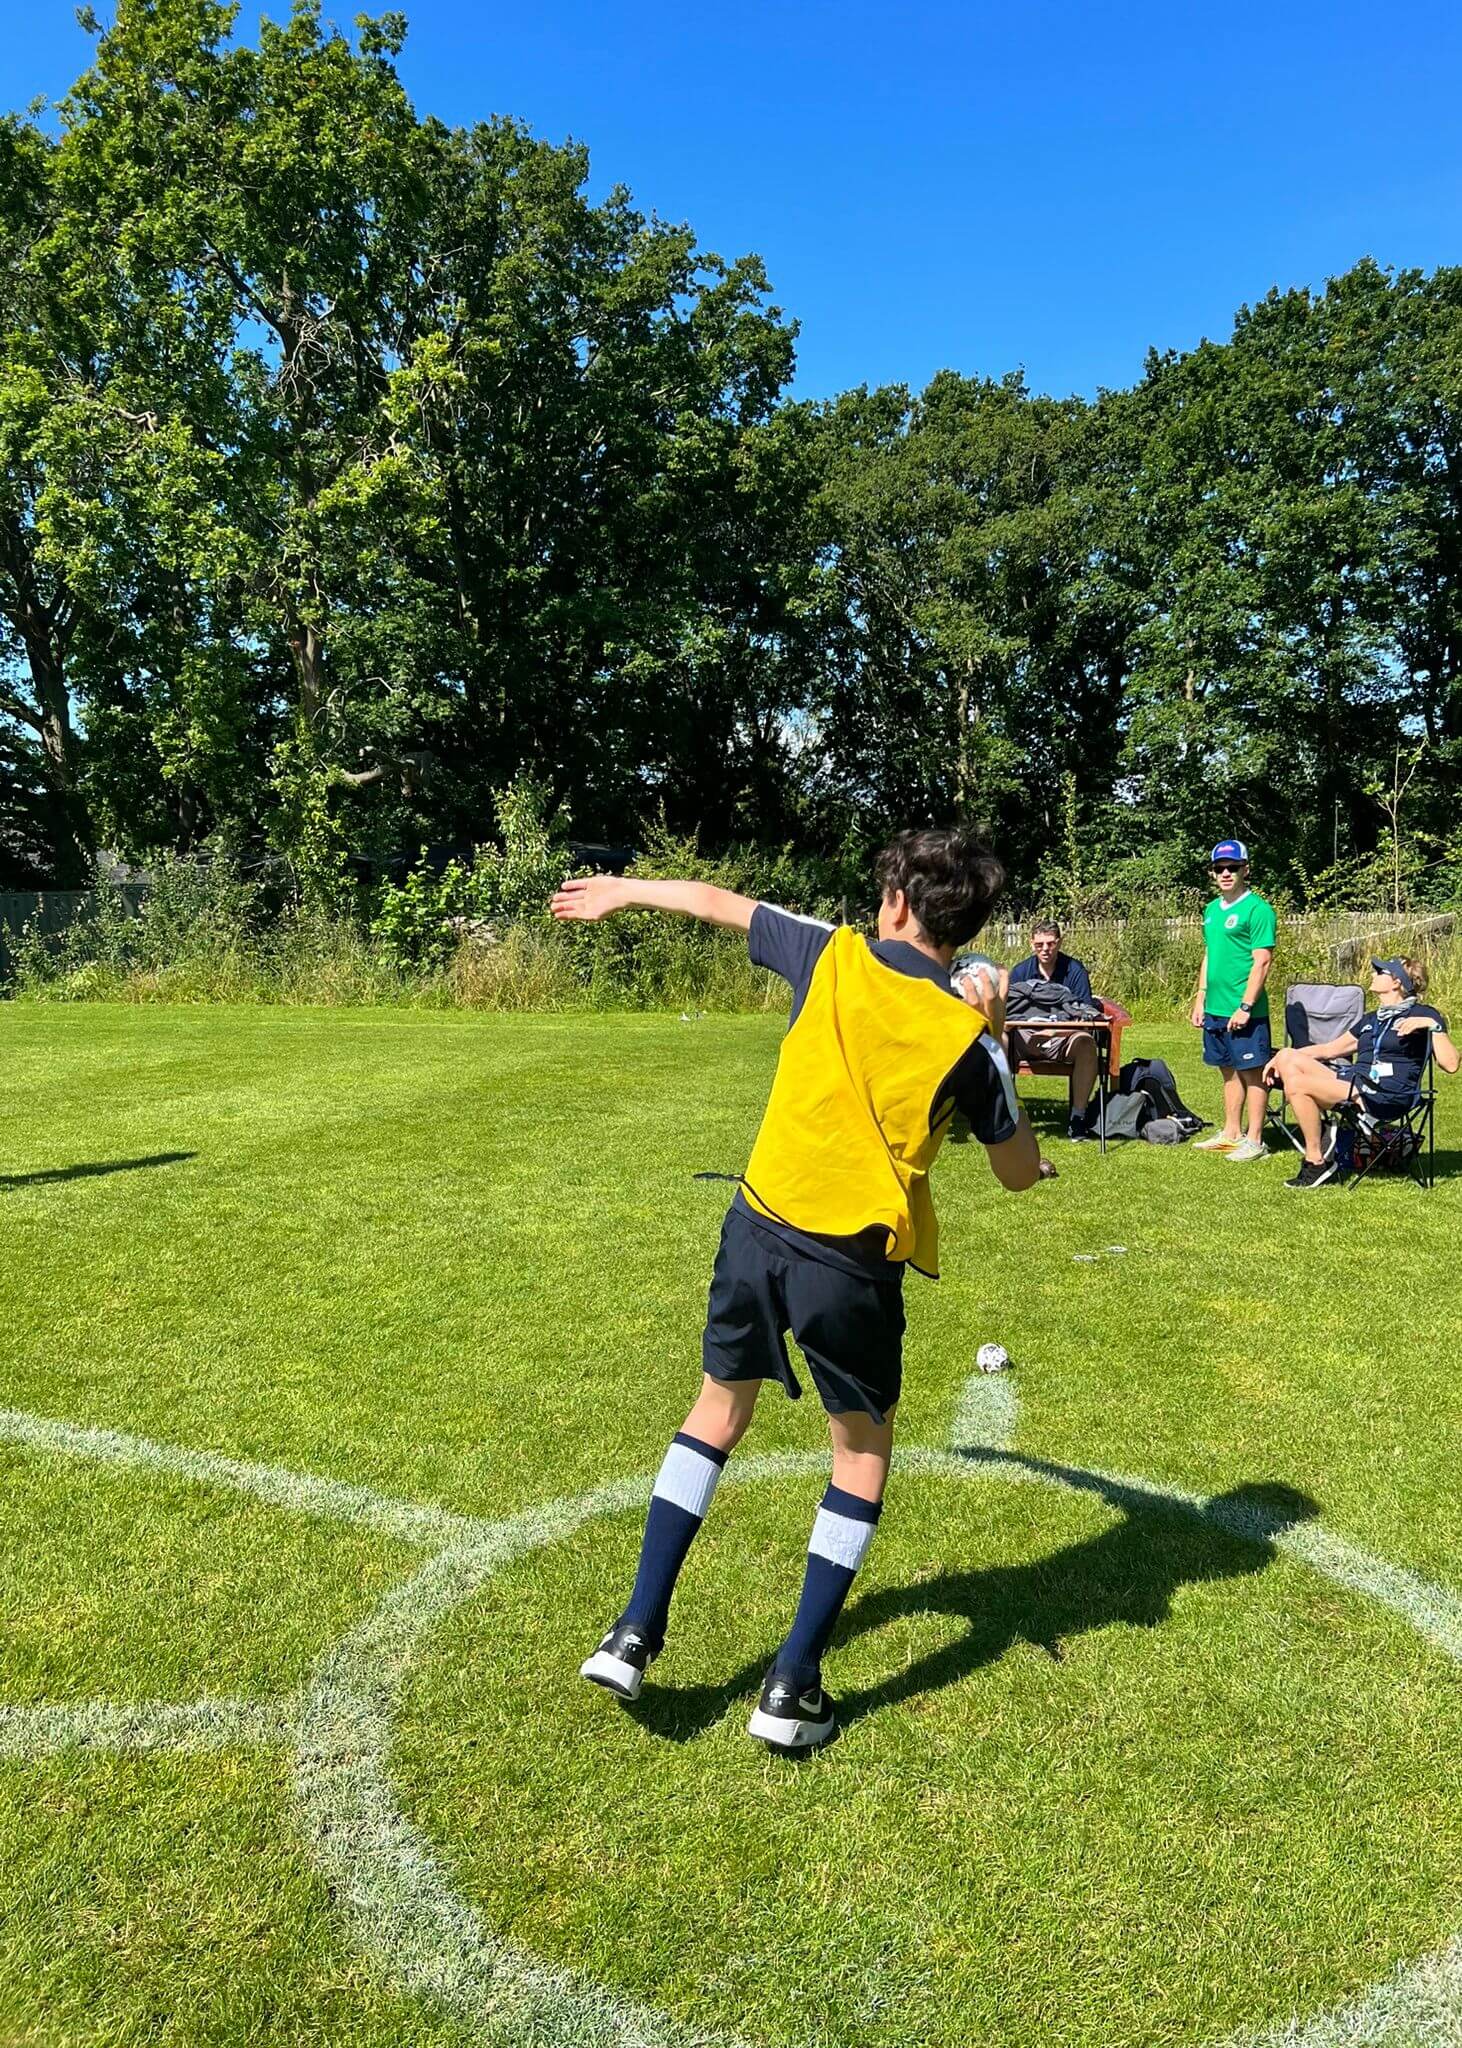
1117, 1020
1314, 1013
1405, 1141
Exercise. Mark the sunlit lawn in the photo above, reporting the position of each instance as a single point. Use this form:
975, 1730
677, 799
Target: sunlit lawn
1108, 1776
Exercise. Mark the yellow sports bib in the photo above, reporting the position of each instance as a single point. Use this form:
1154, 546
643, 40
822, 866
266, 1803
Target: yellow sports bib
859, 1107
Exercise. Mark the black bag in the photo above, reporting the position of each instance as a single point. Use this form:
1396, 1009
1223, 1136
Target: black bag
1047, 1002
1154, 1079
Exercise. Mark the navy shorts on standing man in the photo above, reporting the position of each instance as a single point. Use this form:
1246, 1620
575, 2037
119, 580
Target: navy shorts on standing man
1223, 1046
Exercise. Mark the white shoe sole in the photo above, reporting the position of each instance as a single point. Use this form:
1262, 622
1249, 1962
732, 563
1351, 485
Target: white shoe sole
614, 1674
777, 1733
1214, 1145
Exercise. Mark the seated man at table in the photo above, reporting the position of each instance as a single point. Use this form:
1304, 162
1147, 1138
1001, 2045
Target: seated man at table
1040, 1049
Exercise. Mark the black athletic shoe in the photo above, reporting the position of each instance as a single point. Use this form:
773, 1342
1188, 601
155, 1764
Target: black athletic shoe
620, 1660
790, 1718
1312, 1176
1078, 1128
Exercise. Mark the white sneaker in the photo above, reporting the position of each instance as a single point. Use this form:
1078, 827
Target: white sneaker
1217, 1143
1245, 1150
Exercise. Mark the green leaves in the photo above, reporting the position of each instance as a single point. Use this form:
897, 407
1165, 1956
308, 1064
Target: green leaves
350, 463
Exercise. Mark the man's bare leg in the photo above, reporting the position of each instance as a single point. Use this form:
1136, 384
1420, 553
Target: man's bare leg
1085, 1064
1233, 1103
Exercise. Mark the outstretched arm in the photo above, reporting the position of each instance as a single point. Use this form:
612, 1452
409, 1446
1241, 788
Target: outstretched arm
601, 895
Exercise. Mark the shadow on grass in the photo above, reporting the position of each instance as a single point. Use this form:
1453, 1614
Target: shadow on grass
1124, 1577
44, 1176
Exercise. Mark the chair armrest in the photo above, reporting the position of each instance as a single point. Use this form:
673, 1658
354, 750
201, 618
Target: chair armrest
1119, 1019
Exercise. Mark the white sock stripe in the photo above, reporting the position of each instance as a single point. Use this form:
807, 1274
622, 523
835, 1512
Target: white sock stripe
687, 1478
840, 1539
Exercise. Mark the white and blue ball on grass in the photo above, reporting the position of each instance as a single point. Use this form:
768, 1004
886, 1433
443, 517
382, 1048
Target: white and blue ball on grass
993, 1358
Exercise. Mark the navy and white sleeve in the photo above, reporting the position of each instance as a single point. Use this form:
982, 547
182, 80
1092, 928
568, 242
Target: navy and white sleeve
983, 1086
788, 944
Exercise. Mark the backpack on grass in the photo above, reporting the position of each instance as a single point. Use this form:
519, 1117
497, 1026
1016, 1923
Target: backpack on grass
1147, 1105
1154, 1079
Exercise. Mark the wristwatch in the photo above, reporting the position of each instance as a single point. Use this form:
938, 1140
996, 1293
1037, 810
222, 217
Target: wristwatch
1245, 1007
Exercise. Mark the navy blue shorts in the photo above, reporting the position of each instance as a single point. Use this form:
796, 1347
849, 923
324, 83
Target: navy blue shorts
1381, 1102
850, 1325
1224, 1047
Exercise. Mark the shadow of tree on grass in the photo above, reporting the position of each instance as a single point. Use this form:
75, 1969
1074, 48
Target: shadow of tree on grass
44, 1176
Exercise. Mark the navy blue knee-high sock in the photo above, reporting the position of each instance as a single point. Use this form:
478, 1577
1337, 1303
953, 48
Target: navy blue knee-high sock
682, 1494
840, 1539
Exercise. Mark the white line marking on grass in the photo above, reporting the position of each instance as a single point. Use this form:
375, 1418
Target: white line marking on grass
1420, 2006
989, 1408
401, 1906
145, 1727
304, 1492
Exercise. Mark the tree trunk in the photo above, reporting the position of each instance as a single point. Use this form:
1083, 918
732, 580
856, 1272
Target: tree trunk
66, 820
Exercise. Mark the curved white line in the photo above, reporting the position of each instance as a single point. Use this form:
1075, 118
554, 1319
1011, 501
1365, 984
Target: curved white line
404, 1911
303, 1492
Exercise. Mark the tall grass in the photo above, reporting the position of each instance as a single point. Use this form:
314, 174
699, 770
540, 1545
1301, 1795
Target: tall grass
202, 936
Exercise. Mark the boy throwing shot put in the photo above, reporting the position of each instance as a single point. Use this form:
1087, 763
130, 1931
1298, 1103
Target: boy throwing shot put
834, 1204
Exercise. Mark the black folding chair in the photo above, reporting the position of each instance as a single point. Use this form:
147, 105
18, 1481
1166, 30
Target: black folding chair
1404, 1142
1314, 1013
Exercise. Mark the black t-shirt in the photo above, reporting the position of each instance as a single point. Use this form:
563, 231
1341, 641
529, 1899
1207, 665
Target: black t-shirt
1388, 1061
979, 1084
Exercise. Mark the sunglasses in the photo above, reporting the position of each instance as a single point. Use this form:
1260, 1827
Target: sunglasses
1228, 867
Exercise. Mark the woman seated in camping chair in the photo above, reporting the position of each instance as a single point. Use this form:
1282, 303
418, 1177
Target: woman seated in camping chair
1378, 1066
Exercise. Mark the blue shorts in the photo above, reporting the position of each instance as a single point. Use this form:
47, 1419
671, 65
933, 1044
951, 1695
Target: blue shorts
1224, 1047
850, 1325
1382, 1102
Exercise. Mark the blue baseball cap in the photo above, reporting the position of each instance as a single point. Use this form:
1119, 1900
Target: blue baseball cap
1229, 849
1397, 969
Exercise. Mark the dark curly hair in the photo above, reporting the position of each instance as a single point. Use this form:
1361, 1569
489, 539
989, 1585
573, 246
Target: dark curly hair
951, 881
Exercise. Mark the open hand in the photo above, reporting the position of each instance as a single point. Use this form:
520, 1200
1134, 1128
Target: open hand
589, 899
1196, 1019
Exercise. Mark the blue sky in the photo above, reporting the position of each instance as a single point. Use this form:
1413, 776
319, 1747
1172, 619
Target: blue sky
1043, 185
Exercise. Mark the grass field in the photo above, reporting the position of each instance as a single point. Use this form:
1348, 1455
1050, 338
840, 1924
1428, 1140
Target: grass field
290, 1763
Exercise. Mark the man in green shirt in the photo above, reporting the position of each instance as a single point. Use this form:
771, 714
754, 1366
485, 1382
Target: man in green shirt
1231, 1007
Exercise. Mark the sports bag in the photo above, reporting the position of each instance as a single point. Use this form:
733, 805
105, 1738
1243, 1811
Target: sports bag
1124, 1116
1154, 1079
